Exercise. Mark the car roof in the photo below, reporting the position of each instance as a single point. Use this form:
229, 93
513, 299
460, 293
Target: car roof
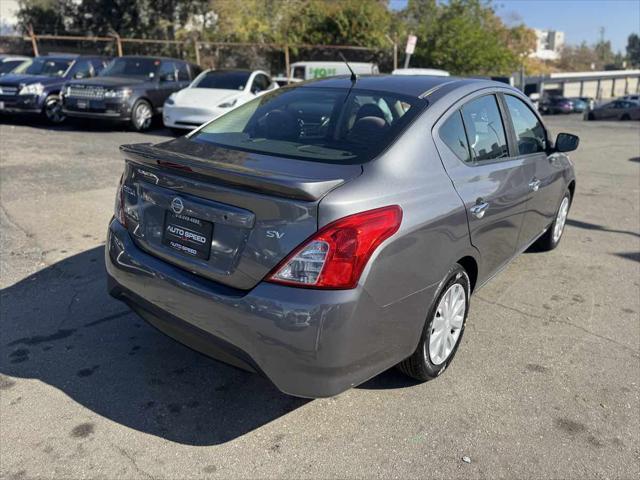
410, 85
153, 57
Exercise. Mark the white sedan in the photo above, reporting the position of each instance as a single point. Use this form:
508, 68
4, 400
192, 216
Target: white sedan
211, 94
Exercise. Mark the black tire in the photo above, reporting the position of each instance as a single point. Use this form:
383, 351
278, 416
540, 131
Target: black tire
548, 241
141, 116
590, 116
625, 117
420, 365
52, 110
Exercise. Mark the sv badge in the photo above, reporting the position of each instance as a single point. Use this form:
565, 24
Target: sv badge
275, 234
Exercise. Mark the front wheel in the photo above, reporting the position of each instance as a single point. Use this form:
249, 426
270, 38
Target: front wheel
443, 329
551, 238
53, 110
141, 116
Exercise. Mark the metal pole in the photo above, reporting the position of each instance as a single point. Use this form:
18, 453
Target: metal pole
395, 55
286, 62
118, 43
197, 47
407, 57
34, 42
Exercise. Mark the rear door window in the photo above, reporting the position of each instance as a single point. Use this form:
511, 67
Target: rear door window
183, 72
453, 135
531, 135
485, 131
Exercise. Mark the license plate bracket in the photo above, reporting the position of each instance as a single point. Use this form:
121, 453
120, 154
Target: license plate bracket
187, 235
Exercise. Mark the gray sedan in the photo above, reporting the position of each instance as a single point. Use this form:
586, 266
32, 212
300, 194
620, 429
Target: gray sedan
616, 110
327, 231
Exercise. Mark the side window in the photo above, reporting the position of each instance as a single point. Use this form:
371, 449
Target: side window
260, 83
530, 132
167, 72
452, 133
81, 69
485, 130
98, 65
183, 72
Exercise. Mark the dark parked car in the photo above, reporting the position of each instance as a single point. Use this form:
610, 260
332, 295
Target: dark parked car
579, 105
130, 89
34, 87
553, 105
616, 110
322, 233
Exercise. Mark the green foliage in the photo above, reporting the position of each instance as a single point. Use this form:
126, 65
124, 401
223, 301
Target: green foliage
465, 37
633, 50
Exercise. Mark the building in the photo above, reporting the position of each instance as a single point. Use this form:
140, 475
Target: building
549, 44
597, 85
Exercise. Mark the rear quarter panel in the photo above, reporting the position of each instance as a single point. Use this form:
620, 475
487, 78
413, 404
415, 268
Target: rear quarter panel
404, 274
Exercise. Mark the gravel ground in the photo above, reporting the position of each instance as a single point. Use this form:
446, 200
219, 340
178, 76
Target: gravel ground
545, 384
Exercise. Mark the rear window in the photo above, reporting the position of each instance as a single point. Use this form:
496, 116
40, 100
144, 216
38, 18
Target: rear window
223, 80
321, 124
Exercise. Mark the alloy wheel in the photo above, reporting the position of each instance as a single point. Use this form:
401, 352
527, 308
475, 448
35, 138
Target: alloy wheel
53, 111
143, 116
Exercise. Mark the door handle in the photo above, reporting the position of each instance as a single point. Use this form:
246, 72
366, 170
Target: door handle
479, 209
534, 184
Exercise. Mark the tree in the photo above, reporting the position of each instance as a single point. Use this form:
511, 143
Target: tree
633, 50
465, 37
46, 16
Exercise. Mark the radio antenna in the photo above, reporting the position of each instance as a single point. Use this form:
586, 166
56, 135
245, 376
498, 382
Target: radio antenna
354, 77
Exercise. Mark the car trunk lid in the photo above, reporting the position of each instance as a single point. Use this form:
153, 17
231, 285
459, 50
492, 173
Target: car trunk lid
226, 215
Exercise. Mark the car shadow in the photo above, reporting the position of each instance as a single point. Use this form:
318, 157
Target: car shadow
59, 326
635, 159
83, 125
595, 226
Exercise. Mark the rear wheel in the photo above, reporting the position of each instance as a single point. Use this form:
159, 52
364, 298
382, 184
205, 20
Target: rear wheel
141, 116
625, 117
443, 329
53, 110
551, 238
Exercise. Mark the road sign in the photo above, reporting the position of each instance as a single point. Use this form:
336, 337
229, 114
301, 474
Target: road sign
411, 44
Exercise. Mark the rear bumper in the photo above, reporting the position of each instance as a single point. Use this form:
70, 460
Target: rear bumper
309, 343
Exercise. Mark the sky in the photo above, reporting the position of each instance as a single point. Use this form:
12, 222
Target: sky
580, 20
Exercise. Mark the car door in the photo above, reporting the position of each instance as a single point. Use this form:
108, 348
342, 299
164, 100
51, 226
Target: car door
167, 83
545, 185
493, 186
184, 79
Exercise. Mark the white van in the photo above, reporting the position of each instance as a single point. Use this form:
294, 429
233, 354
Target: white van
421, 71
311, 70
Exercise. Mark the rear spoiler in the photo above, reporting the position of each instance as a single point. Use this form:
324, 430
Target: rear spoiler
318, 178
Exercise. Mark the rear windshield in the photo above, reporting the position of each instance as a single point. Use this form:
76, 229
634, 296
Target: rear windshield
50, 67
132, 67
223, 80
321, 124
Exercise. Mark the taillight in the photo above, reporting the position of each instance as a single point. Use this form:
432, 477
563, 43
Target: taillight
336, 255
119, 204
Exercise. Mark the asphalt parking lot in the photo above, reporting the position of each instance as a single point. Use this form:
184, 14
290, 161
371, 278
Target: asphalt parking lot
546, 382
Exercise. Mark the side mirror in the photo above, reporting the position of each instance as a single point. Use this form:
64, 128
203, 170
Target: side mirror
566, 142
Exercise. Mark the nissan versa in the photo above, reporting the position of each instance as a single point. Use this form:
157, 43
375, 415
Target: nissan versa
325, 232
